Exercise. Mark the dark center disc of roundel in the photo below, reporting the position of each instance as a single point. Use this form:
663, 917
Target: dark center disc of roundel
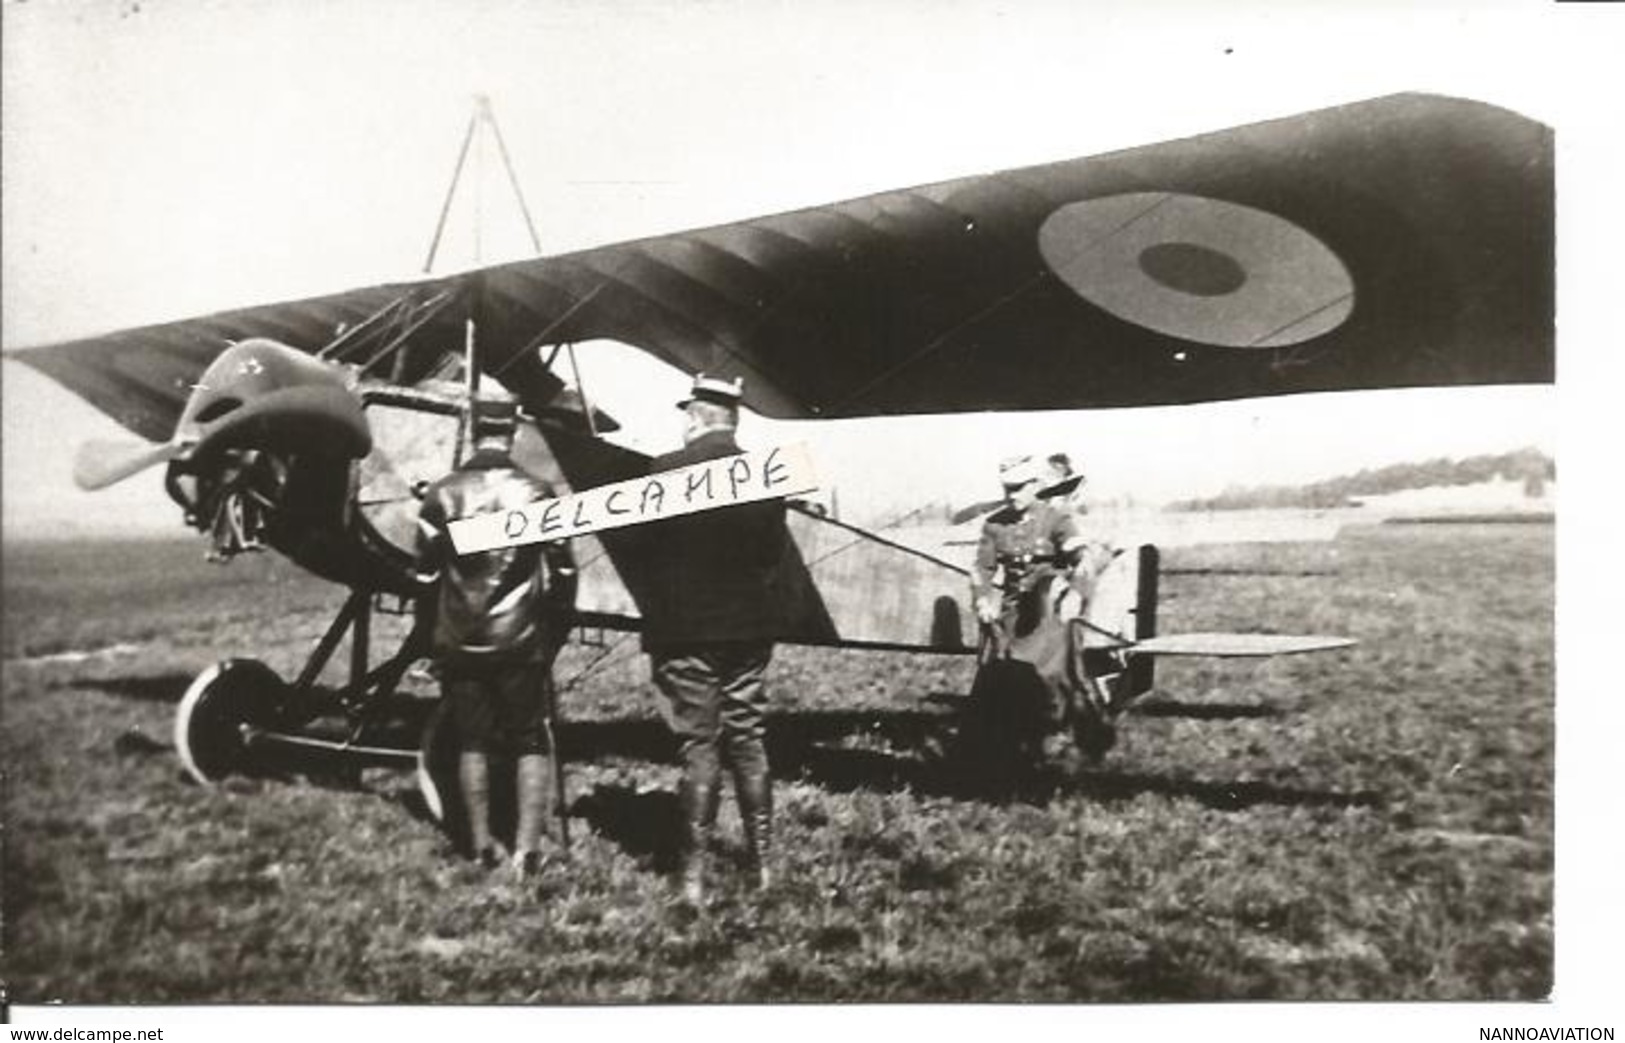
1196, 270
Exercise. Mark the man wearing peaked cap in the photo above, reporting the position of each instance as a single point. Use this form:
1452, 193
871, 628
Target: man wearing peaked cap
495, 415
716, 391
1017, 472
713, 611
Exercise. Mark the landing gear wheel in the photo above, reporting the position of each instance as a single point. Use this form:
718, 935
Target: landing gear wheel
212, 714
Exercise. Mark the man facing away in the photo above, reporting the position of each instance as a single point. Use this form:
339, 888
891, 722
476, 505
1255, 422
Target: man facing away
715, 610
500, 617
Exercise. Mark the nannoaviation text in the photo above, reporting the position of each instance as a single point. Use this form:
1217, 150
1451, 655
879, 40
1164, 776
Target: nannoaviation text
1546, 1033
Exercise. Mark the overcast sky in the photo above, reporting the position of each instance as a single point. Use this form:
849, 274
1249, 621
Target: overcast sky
164, 159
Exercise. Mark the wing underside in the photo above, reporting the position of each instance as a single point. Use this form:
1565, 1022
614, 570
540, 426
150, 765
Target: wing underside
1406, 241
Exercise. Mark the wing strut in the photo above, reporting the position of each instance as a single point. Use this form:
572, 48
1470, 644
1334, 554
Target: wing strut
482, 116
451, 190
581, 387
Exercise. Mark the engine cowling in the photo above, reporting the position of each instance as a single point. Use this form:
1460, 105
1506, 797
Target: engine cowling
268, 441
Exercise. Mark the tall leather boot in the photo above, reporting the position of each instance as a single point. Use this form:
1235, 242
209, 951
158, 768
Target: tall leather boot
474, 779
533, 786
753, 786
697, 799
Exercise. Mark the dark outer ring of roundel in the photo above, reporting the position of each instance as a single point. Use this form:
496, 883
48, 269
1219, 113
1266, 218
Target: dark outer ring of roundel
1199, 269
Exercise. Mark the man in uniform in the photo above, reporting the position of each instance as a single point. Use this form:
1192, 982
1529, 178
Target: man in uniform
500, 617
1026, 546
1027, 540
714, 613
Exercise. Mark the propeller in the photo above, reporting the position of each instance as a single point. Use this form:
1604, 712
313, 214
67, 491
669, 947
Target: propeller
103, 462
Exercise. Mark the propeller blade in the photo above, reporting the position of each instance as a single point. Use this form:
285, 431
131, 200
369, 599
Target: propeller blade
975, 510
99, 464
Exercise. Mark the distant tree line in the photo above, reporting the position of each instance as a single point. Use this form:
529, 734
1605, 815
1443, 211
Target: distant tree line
1530, 466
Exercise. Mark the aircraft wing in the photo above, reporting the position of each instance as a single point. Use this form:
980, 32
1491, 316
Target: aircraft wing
142, 377
1405, 241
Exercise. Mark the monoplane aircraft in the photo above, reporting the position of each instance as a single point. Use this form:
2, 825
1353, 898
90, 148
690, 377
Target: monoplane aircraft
1400, 242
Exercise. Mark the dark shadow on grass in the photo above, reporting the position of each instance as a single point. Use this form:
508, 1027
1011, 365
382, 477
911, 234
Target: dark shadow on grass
133, 742
649, 738
889, 751
646, 825
906, 727
1202, 711
810, 744
1107, 785
637, 739
841, 750
163, 688
1243, 571
845, 770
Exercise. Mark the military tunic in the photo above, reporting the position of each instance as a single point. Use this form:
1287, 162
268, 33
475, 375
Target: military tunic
499, 615
714, 576
1019, 547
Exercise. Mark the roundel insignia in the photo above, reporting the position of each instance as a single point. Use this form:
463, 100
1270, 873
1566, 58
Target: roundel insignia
1199, 269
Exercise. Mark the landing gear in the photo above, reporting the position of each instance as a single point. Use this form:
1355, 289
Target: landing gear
221, 709
238, 711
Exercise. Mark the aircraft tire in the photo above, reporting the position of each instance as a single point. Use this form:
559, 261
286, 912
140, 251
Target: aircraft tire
218, 703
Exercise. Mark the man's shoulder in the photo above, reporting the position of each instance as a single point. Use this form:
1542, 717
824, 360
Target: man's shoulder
485, 461
668, 461
1050, 514
706, 447
482, 476
438, 488
501, 467
1002, 518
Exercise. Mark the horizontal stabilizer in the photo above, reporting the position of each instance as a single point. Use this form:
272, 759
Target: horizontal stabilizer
99, 464
1238, 645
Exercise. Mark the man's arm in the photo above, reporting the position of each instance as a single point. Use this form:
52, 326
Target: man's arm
984, 595
557, 566
563, 580
433, 540
1067, 538
1084, 558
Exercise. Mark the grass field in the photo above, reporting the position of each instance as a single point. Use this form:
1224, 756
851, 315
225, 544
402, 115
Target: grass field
1368, 824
